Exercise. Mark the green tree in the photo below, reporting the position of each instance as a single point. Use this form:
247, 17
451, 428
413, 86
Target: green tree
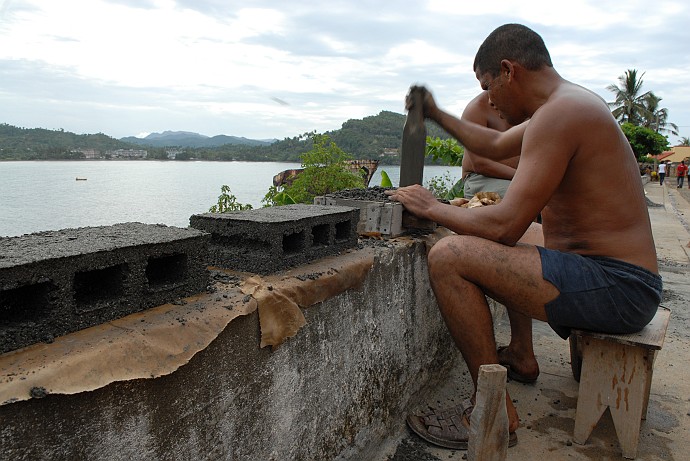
324, 171
644, 141
629, 105
656, 117
447, 150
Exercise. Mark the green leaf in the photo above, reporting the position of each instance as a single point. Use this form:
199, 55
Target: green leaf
283, 198
447, 151
385, 180
457, 191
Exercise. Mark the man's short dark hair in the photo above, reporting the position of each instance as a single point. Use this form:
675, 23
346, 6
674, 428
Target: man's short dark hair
514, 42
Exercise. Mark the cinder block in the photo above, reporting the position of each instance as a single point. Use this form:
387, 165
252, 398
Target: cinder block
56, 282
270, 239
376, 217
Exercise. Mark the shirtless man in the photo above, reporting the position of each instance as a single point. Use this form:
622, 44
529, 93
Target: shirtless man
597, 269
479, 173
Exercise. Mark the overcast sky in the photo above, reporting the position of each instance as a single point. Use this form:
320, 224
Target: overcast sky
279, 68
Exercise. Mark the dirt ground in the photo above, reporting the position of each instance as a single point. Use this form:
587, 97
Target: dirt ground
547, 408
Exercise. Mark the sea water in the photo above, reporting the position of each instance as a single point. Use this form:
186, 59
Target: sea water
46, 195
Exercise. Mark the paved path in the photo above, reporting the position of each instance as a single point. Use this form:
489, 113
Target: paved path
547, 408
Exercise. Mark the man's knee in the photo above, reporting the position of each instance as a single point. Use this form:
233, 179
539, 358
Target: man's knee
450, 253
533, 236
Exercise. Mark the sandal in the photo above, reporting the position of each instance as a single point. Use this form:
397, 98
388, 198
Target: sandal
449, 428
514, 375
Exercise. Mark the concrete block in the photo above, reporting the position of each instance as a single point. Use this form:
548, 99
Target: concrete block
270, 239
375, 217
56, 282
378, 215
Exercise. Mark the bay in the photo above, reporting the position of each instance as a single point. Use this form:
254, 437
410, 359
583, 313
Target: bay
45, 195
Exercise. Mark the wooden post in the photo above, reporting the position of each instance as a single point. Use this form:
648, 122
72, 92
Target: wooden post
489, 420
413, 142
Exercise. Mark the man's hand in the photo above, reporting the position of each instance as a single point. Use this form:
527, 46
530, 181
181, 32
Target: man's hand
428, 102
416, 199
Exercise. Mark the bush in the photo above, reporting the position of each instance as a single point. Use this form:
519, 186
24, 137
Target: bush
228, 202
325, 172
447, 151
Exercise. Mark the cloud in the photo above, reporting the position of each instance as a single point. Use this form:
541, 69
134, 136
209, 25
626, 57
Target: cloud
216, 67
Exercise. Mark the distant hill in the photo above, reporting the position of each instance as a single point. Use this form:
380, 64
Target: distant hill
367, 138
374, 137
41, 144
194, 140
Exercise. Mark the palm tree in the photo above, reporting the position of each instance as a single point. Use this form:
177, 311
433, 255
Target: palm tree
684, 141
629, 104
656, 117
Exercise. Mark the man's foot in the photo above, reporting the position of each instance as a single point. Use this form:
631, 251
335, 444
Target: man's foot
447, 428
526, 374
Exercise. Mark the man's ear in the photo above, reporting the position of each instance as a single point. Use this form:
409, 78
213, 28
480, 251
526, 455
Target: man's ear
507, 69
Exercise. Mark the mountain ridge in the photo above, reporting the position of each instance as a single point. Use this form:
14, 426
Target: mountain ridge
170, 138
372, 137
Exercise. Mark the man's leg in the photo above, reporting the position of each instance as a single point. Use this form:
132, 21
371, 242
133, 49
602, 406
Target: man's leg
462, 269
519, 354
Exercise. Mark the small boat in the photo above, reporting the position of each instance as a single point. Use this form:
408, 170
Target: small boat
81, 179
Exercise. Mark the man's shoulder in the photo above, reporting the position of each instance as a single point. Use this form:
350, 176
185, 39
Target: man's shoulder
477, 109
570, 96
572, 109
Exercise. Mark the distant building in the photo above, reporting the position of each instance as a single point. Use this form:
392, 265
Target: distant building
89, 153
173, 153
390, 152
127, 153
675, 155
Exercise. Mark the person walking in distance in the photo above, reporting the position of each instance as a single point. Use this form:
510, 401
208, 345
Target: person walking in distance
681, 172
661, 169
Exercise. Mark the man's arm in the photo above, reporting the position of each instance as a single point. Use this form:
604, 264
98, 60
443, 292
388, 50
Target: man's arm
492, 168
548, 147
487, 142
479, 111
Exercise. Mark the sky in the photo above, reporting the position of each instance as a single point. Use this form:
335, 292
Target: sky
271, 69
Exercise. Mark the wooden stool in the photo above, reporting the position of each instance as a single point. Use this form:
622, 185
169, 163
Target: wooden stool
615, 372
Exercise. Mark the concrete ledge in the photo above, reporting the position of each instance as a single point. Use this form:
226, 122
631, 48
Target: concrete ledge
270, 239
53, 283
329, 392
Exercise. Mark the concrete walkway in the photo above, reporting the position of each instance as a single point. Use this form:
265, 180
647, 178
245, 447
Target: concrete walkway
547, 408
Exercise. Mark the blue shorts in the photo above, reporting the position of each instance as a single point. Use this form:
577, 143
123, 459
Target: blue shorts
598, 293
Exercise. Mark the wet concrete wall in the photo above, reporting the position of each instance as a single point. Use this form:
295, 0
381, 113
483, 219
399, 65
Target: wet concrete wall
327, 393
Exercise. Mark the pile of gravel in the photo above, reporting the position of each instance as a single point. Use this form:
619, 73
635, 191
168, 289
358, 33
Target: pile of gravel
374, 194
